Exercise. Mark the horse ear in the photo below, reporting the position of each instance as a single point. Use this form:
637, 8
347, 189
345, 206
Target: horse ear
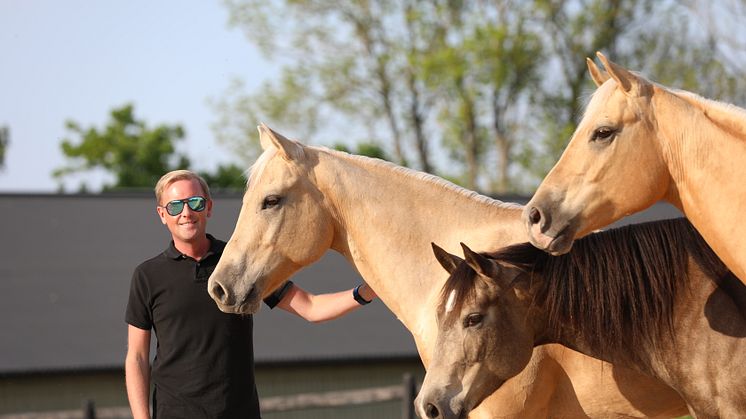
598, 76
288, 149
448, 261
478, 262
630, 83
485, 267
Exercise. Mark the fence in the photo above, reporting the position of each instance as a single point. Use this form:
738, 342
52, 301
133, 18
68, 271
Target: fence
406, 392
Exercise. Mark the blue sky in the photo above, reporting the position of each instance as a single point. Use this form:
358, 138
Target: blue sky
78, 59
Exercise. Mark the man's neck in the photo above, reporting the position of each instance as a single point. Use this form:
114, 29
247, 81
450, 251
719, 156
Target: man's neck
196, 249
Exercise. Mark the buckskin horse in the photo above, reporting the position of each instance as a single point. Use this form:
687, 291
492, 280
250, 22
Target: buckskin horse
638, 143
302, 201
651, 297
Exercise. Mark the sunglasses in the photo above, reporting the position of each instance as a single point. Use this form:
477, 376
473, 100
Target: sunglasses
196, 203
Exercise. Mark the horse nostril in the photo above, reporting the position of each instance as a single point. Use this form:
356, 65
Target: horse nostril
534, 215
219, 292
431, 411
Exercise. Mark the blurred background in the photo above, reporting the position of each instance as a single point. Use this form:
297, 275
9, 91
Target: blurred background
99, 99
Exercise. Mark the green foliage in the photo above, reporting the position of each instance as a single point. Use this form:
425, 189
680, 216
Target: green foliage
229, 177
126, 147
4, 142
364, 149
494, 88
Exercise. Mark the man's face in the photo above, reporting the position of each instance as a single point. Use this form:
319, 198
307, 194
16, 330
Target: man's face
189, 226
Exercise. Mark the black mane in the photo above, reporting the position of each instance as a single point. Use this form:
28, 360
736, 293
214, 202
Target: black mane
615, 288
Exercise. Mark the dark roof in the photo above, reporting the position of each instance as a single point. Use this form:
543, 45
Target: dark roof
65, 270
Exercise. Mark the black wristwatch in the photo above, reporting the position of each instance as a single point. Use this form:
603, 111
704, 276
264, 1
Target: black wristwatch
359, 298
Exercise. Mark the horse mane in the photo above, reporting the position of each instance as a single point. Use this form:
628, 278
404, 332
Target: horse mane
728, 117
256, 169
623, 281
372, 162
369, 162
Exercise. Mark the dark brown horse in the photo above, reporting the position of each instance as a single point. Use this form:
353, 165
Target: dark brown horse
653, 297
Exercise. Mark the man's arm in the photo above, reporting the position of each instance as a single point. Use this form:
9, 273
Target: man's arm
137, 371
322, 307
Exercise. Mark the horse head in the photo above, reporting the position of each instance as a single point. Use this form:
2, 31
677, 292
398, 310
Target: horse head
283, 226
482, 336
612, 166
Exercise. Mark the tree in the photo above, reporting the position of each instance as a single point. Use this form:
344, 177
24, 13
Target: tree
368, 149
126, 147
229, 177
351, 56
494, 87
653, 37
4, 142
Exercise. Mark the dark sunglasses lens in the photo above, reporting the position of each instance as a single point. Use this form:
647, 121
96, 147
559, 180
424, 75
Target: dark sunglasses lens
196, 203
174, 207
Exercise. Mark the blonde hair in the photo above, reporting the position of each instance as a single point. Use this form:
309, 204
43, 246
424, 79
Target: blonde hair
176, 175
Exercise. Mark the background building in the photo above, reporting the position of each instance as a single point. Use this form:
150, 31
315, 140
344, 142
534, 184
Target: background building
65, 268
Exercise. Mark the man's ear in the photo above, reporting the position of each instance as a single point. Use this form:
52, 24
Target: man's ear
161, 214
209, 208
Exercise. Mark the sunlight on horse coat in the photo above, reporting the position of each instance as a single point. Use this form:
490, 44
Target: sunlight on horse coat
652, 296
639, 143
302, 201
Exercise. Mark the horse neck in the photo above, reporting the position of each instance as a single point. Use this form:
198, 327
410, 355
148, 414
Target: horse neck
662, 358
639, 359
704, 144
386, 218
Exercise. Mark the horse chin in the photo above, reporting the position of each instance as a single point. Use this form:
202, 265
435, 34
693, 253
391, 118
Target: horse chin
554, 244
560, 245
249, 304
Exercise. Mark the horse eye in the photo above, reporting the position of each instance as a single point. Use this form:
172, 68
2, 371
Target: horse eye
271, 201
473, 319
603, 134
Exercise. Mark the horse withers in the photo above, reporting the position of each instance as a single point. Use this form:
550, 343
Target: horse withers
666, 307
639, 143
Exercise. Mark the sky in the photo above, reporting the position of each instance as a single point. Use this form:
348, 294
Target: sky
77, 60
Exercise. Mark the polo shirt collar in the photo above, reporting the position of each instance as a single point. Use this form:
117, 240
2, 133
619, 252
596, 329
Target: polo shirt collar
216, 247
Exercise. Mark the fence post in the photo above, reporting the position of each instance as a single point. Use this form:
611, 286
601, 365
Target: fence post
89, 409
407, 408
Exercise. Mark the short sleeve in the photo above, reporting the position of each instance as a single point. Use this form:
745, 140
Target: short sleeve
278, 295
138, 312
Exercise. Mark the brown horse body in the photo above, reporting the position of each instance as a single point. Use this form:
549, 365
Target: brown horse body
652, 297
639, 143
302, 201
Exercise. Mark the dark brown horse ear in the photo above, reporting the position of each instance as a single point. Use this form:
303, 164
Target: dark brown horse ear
486, 267
479, 263
448, 261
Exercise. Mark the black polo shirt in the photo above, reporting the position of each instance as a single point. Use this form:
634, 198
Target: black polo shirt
204, 363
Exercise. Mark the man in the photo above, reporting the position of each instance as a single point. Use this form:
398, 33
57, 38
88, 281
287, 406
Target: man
204, 364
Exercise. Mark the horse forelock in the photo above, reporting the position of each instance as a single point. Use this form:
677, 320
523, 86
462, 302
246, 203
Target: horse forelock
256, 169
458, 288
